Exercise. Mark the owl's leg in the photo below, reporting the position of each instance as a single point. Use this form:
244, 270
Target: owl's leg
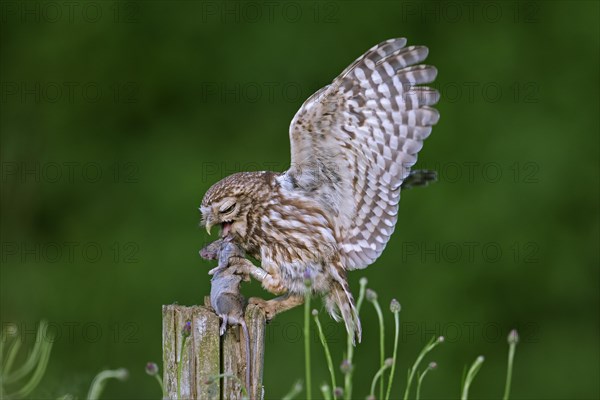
277, 305
271, 282
244, 267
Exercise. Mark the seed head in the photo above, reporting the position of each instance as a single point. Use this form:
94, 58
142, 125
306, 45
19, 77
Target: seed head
371, 295
307, 278
346, 367
151, 368
187, 329
513, 337
395, 306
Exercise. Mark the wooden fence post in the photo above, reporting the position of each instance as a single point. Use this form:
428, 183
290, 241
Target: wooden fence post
207, 355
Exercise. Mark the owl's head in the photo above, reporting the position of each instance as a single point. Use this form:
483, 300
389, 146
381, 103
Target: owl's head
228, 202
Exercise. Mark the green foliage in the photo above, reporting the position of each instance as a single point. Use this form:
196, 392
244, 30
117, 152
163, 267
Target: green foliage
294, 391
102, 378
34, 366
413, 370
473, 370
315, 314
153, 370
347, 366
307, 366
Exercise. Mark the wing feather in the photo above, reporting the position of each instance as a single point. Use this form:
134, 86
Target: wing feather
354, 142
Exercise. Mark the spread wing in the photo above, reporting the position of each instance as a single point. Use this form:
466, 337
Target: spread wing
354, 141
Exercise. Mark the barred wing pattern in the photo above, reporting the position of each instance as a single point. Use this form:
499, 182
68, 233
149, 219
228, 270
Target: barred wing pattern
354, 141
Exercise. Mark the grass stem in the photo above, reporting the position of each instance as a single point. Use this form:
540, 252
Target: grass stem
100, 380
294, 391
513, 339
395, 308
327, 353
372, 297
185, 333
307, 370
326, 391
350, 347
379, 375
411, 372
475, 367
430, 367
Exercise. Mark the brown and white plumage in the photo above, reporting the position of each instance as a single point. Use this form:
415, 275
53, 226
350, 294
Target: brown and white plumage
352, 145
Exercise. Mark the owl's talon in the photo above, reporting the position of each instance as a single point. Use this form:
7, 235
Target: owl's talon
267, 307
275, 306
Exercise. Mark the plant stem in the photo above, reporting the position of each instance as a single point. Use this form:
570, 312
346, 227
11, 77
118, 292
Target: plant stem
420, 380
381, 344
12, 354
513, 339
411, 372
307, 343
100, 380
326, 391
393, 370
294, 391
38, 373
183, 343
160, 382
350, 346
33, 357
470, 376
378, 375
327, 353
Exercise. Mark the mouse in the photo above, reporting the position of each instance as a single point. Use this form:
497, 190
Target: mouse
225, 296
222, 250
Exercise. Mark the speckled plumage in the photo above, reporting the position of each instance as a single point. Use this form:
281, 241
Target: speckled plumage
353, 143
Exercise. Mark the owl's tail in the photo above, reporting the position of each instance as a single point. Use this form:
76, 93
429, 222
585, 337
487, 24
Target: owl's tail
340, 299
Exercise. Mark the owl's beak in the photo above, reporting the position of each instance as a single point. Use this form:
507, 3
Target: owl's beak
209, 224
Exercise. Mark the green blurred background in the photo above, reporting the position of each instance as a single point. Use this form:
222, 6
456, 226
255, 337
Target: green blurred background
116, 117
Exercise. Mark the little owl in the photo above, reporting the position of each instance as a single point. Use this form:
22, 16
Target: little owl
353, 143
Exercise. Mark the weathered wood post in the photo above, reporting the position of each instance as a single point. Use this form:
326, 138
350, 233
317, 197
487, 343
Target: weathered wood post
207, 355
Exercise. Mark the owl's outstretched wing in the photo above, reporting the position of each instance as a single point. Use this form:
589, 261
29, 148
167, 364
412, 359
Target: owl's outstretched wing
354, 141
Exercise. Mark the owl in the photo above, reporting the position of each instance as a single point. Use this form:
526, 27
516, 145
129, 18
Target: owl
353, 144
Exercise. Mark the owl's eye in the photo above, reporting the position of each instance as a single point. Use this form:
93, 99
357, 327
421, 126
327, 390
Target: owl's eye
228, 209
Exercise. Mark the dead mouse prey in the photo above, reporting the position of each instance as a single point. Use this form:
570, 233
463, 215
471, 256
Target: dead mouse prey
225, 296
